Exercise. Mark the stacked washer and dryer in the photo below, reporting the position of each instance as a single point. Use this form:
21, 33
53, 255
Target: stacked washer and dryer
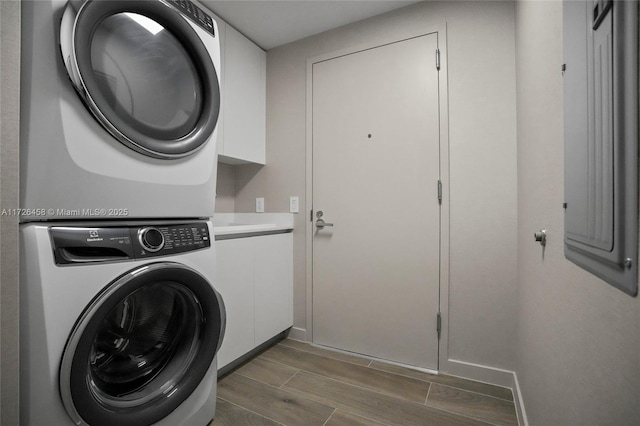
120, 318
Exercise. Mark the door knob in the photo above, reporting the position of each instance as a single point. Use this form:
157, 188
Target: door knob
320, 223
541, 237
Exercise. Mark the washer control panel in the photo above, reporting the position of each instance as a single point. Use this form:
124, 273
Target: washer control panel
172, 239
85, 244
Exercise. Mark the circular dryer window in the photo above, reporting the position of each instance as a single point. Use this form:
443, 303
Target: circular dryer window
144, 73
141, 347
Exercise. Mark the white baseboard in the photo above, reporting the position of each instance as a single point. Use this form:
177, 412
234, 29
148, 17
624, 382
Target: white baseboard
519, 401
479, 373
491, 375
297, 333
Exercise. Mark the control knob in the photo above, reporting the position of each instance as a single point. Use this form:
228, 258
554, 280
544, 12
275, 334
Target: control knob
151, 239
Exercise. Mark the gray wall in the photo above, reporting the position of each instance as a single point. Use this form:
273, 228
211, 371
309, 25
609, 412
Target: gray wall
483, 195
9, 159
578, 347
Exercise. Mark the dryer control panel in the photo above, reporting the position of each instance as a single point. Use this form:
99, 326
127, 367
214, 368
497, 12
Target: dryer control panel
195, 13
74, 245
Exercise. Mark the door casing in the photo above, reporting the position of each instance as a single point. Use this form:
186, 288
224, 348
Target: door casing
441, 31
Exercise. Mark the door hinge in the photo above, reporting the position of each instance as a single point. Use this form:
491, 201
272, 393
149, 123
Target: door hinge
310, 215
438, 59
439, 191
439, 324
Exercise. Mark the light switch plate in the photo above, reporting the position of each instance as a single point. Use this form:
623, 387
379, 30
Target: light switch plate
294, 205
259, 205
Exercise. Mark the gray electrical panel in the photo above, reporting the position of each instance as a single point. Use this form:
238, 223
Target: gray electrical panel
600, 78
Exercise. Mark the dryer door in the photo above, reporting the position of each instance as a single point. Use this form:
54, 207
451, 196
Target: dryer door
142, 346
144, 72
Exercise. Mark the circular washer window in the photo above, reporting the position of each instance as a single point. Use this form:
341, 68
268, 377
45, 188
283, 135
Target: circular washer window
146, 75
142, 346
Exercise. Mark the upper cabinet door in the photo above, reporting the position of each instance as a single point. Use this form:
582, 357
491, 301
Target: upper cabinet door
244, 101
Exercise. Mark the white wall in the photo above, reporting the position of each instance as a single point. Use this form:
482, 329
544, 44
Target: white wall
9, 143
483, 185
578, 347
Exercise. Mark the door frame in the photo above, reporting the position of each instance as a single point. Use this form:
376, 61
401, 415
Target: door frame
441, 31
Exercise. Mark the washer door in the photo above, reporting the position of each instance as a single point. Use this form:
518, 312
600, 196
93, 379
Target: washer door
144, 73
142, 346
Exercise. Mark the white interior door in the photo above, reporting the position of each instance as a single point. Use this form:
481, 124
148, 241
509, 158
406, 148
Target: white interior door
376, 167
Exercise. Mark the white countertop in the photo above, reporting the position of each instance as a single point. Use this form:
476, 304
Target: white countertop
251, 223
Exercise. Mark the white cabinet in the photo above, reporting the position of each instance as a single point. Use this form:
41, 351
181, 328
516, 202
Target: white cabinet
255, 279
273, 286
235, 284
242, 139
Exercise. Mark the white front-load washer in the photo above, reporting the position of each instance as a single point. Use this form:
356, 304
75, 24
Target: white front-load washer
120, 103
120, 323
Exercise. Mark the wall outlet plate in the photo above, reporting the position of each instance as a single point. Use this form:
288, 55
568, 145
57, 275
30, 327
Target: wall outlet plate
294, 205
259, 205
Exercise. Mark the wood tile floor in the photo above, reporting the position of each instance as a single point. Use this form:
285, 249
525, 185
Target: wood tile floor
294, 383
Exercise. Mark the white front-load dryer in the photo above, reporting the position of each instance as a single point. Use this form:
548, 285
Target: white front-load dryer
120, 324
120, 105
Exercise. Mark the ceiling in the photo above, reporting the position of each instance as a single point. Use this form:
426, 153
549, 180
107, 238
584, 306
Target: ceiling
270, 23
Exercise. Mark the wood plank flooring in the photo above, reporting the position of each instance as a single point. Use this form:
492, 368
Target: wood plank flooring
294, 383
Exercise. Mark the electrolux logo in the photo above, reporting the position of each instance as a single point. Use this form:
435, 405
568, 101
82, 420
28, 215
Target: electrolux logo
94, 236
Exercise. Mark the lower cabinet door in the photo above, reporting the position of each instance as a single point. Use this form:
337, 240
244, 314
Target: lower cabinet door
273, 285
235, 284
255, 279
